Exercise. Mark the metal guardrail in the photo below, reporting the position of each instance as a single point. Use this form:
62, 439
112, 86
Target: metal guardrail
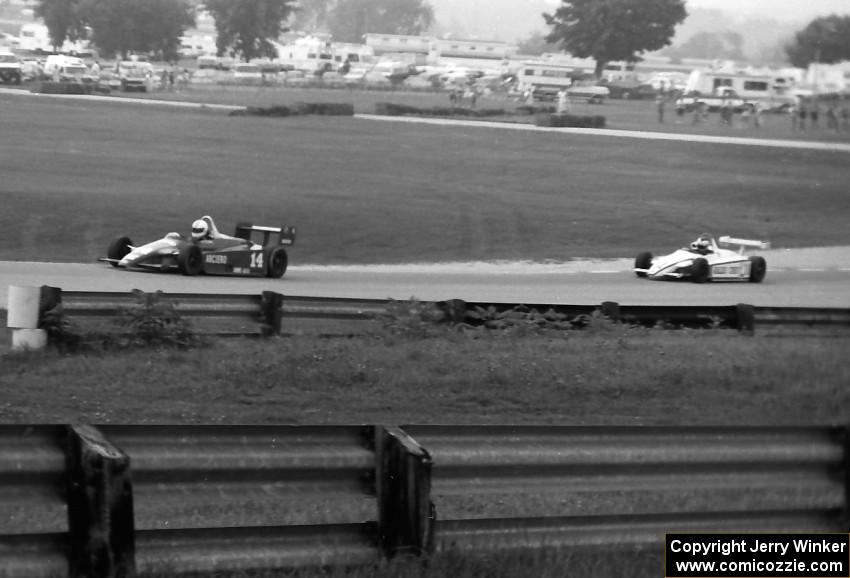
124, 500
271, 313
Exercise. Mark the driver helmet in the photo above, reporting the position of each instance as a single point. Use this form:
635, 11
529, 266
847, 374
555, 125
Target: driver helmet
200, 228
702, 242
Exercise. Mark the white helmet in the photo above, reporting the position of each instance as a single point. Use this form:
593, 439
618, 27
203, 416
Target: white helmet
200, 228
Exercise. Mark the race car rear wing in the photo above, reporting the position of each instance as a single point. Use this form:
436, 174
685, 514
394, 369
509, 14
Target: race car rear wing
266, 235
741, 243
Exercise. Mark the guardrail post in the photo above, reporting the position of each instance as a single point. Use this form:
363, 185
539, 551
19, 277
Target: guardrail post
406, 514
843, 436
100, 507
746, 316
272, 312
611, 310
454, 310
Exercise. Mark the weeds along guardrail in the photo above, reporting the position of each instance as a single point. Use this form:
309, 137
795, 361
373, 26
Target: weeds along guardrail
270, 313
114, 501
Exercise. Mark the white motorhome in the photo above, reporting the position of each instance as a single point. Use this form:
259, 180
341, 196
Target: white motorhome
311, 54
771, 90
545, 79
540, 75
65, 68
34, 38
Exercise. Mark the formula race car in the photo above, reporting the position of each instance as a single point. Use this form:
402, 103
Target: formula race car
703, 260
253, 251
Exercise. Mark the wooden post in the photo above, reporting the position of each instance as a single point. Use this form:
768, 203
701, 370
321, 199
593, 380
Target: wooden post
746, 318
454, 310
611, 310
100, 507
406, 514
272, 312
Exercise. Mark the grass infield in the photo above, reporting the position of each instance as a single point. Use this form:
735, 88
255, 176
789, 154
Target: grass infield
77, 174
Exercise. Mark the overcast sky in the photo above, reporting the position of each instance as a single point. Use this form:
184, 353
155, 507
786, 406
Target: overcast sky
779, 9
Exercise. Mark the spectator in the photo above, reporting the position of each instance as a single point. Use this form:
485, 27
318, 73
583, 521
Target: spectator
698, 113
746, 114
726, 113
814, 113
758, 114
469, 94
680, 111
832, 117
563, 102
660, 101
802, 113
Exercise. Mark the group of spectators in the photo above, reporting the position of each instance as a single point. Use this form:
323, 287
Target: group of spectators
811, 113
808, 113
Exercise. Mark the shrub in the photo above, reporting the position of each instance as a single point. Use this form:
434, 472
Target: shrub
392, 109
570, 120
154, 321
299, 108
50, 87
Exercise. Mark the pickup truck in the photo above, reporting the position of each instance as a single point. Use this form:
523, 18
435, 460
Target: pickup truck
10, 68
134, 75
721, 97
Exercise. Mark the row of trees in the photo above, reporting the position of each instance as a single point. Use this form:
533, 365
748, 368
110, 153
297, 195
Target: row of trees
244, 27
605, 30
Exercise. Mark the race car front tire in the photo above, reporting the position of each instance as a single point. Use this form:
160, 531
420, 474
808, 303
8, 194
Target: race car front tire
643, 261
277, 262
190, 260
758, 269
118, 249
700, 270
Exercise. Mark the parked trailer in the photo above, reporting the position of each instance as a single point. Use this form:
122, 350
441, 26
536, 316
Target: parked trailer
715, 89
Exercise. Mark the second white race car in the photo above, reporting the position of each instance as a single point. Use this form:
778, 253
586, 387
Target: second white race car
705, 260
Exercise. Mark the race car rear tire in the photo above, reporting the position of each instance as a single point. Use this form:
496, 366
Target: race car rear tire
643, 261
758, 269
190, 261
277, 262
700, 270
118, 249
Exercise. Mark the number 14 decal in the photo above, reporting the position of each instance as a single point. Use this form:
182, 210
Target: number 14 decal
256, 260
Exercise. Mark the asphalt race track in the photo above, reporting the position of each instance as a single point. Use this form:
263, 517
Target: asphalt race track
796, 278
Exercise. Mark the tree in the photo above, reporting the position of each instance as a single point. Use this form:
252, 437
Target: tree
609, 30
349, 20
62, 19
144, 26
247, 27
825, 39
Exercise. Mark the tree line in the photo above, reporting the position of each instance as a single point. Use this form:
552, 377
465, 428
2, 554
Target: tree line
605, 30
